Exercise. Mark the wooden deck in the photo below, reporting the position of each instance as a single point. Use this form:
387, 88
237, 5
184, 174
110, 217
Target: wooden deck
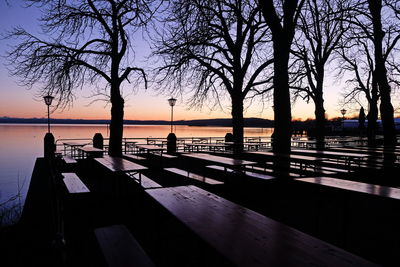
244, 222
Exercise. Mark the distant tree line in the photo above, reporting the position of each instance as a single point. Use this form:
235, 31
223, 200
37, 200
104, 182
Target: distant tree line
239, 50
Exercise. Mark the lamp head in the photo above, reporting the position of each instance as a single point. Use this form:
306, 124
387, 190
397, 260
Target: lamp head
343, 111
48, 99
172, 101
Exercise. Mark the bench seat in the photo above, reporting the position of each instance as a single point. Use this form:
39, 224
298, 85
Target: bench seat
144, 181
120, 248
194, 176
134, 157
73, 184
247, 173
69, 160
168, 156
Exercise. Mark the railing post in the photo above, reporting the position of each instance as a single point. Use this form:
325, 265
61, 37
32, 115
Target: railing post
171, 143
98, 141
49, 146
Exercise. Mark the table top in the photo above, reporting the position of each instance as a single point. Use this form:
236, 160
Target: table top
383, 191
206, 145
245, 237
331, 153
71, 143
117, 164
287, 156
219, 159
90, 149
150, 147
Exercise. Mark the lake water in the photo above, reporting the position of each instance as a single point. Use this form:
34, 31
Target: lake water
21, 144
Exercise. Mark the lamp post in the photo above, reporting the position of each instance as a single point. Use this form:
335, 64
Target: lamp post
172, 102
48, 99
343, 111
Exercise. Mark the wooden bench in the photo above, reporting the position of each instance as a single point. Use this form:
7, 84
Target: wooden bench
194, 176
73, 184
168, 156
241, 236
69, 160
120, 248
144, 181
370, 189
247, 172
268, 171
134, 157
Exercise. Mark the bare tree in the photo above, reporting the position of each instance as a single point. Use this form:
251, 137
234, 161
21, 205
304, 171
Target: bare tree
281, 17
320, 33
216, 47
376, 34
386, 108
84, 42
357, 59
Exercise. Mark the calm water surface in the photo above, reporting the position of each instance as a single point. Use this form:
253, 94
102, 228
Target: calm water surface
21, 144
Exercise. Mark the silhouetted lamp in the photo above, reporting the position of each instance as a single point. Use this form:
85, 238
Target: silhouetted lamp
172, 102
343, 111
48, 99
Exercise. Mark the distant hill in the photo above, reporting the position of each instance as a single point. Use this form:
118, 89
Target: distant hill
248, 122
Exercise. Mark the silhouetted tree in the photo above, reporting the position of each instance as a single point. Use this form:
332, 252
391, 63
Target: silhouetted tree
216, 47
386, 108
84, 42
361, 119
320, 32
281, 17
366, 54
358, 61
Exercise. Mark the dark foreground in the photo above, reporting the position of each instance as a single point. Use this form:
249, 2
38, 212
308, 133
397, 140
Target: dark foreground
181, 221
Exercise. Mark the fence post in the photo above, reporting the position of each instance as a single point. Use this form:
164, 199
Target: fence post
171, 143
49, 146
98, 141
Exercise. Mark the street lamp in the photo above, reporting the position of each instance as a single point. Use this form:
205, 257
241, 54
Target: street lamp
343, 111
48, 99
172, 102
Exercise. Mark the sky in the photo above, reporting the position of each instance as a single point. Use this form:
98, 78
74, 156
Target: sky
19, 101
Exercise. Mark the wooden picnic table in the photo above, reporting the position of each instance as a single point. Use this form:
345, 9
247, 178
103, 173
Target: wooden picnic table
129, 144
198, 146
244, 237
348, 157
117, 164
150, 148
91, 152
72, 147
303, 161
371, 189
224, 161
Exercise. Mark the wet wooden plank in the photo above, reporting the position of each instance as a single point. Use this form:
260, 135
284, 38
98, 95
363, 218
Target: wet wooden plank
378, 190
117, 164
245, 237
194, 176
120, 248
144, 181
74, 184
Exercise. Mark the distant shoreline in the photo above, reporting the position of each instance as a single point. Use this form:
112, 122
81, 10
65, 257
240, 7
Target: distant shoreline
248, 122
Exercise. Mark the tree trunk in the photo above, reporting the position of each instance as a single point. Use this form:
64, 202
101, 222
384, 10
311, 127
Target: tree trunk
117, 122
237, 123
281, 138
386, 108
282, 111
320, 122
320, 110
372, 116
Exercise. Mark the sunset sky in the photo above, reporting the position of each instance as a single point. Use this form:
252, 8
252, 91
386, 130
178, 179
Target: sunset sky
18, 101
